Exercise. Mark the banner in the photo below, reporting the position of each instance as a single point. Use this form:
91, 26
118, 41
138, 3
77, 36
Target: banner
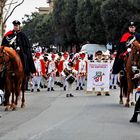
98, 75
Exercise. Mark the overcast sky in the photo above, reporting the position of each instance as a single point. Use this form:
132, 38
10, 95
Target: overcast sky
26, 8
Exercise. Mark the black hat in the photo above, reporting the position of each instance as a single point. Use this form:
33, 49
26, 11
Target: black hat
99, 52
16, 22
131, 23
60, 54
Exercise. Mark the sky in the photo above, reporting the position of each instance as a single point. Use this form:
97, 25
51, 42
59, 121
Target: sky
27, 7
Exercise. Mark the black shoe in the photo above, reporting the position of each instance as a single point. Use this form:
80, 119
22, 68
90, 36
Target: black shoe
110, 87
99, 94
32, 90
77, 88
133, 120
45, 86
38, 90
115, 87
52, 89
81, 88
48, 89
107, 94
71, 95
64, 88
67, 95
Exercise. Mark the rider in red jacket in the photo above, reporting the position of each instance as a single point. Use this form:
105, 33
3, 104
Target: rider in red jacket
125, 41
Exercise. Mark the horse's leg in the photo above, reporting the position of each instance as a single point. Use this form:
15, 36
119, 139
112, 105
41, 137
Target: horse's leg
23, 99
7, 96
130, 89
23, 92
12, 100
17, 94
121, 93
132, 99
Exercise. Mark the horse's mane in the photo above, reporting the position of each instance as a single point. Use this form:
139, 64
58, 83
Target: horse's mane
14, 55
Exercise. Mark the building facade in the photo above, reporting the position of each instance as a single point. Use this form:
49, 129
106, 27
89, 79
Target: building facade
48, 9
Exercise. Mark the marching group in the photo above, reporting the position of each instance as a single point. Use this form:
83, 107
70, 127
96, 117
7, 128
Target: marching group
63, 69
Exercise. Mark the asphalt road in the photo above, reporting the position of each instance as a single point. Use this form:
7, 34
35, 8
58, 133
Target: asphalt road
52, 116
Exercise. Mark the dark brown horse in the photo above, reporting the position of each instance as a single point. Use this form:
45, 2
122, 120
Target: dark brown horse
132, 67
15, 78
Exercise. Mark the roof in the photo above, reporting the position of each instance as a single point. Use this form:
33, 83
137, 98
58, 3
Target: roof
92, 48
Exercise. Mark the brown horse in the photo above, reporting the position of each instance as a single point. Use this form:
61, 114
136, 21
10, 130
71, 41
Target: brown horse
15, 78
133, 61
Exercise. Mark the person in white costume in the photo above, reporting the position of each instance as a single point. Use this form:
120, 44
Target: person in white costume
70, 74
52, 69
81, 67
36, 77
62, 65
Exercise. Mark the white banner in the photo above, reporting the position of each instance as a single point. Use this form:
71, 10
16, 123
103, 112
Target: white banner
98, 75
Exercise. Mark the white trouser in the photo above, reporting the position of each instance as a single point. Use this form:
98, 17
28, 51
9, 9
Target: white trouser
80, 80
69, 87
99, 89
36, 80
51, 82
63, 79
43, 81
113, 79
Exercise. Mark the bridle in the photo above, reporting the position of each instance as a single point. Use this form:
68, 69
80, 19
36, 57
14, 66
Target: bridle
135, 59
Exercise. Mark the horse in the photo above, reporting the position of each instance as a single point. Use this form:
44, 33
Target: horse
15, 78
132, 67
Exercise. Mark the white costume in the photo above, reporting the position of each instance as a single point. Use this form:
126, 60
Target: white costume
69, 73
81, 73
36, 79
52, 74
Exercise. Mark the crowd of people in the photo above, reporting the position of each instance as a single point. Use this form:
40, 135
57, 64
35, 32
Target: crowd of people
63, 69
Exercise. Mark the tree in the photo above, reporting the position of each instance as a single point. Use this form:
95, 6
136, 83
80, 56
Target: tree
7, 8
84, 20
115, 19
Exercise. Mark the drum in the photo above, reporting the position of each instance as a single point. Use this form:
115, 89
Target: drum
70, 79
67, 72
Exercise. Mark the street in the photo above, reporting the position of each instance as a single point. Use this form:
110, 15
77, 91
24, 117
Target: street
52, 116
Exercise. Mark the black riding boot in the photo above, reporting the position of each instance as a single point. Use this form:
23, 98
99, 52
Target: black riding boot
134, 118
136, 110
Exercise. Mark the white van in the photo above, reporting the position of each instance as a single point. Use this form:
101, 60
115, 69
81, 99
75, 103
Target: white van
90, 49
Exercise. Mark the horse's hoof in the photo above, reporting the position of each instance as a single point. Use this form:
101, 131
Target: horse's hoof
132, 104
6, 109
14, 109
121, 102
22, 105
126, 105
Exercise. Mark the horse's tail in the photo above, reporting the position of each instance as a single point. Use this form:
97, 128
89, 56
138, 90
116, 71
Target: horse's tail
123, 82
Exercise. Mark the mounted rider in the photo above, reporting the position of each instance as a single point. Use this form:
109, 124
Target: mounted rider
124, 47
18, 41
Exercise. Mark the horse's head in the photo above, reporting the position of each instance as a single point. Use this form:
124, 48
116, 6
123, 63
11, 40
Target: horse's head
135, 54
4, 60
